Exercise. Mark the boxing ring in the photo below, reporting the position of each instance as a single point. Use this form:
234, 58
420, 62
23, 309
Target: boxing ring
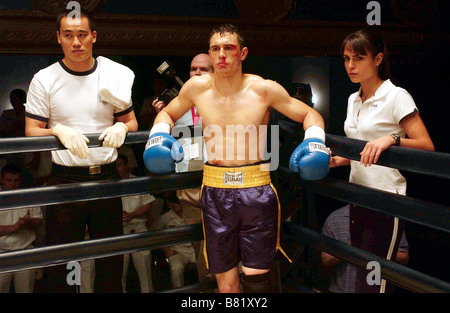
413, 210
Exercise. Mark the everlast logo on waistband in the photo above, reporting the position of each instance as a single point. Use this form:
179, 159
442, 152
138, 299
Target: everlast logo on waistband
316, 146
233, 178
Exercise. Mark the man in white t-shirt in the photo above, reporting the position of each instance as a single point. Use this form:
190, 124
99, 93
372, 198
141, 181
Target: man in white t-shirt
75, 96
17, 231
180, 256
135, 211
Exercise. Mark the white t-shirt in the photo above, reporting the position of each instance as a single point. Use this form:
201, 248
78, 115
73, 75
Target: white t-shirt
376, 117
132, 203
21, 238
171, 219
58, 95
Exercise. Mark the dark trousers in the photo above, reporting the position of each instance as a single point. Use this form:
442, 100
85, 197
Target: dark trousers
373, 232
66, 223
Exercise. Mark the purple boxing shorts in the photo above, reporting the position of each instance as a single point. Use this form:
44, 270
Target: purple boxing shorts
240, 212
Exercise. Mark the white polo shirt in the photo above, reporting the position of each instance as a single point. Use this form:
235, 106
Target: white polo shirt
376, 117
21, 238
58, 95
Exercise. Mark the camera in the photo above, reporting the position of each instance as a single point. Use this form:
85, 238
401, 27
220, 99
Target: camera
168, 95
167, 69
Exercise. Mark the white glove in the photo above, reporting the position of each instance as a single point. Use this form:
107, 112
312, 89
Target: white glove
114, 136
73, 140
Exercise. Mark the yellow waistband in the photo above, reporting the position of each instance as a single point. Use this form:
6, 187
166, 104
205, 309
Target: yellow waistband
236, 177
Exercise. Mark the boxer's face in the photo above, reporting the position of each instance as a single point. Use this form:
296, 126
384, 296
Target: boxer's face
225, 53
361, 67
76, 40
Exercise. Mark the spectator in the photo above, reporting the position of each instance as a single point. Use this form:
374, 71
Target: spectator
344, 274
12, 122
180, 256
17, 231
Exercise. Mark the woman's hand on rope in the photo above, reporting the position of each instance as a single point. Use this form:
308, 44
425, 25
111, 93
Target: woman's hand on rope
373, 149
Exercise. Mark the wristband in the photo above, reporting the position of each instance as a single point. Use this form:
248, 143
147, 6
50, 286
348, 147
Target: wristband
160, 128
315, 132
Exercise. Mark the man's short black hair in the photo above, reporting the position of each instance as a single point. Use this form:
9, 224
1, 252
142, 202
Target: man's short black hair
11, 169
83, 13
19, 93
224, 29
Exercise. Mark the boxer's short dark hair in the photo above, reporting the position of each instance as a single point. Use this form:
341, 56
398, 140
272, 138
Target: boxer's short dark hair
224, 29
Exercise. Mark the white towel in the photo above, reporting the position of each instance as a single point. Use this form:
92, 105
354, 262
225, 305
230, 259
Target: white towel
114, 83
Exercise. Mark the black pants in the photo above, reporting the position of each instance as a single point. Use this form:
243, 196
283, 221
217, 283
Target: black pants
66, 223
376, 233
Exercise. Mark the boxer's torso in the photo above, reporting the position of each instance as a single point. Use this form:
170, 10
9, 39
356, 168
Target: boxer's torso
234, 126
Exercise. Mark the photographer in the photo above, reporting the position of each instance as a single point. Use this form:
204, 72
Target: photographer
200, 65
148, 112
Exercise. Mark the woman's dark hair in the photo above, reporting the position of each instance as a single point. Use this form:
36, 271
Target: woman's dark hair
368, 40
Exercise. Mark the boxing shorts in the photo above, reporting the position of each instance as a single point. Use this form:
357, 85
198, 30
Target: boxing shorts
241, 217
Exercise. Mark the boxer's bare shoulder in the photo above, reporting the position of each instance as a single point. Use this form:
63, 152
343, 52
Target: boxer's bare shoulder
265, 88
198, 83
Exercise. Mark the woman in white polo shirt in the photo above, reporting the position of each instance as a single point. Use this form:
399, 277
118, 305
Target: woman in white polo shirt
383, 115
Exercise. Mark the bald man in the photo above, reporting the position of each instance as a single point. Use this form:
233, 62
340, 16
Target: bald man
200, 65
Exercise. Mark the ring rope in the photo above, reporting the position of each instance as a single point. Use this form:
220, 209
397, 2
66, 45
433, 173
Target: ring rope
66, 193
412, 160
394, 272
39, 257
51, 143
407, 159
418, 211
414, 210
98, 248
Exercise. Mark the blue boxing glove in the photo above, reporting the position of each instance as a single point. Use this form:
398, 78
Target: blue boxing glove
162, 150
311, 158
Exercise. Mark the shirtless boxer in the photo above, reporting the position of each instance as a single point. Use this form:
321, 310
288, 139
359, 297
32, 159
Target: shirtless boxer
240, 207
